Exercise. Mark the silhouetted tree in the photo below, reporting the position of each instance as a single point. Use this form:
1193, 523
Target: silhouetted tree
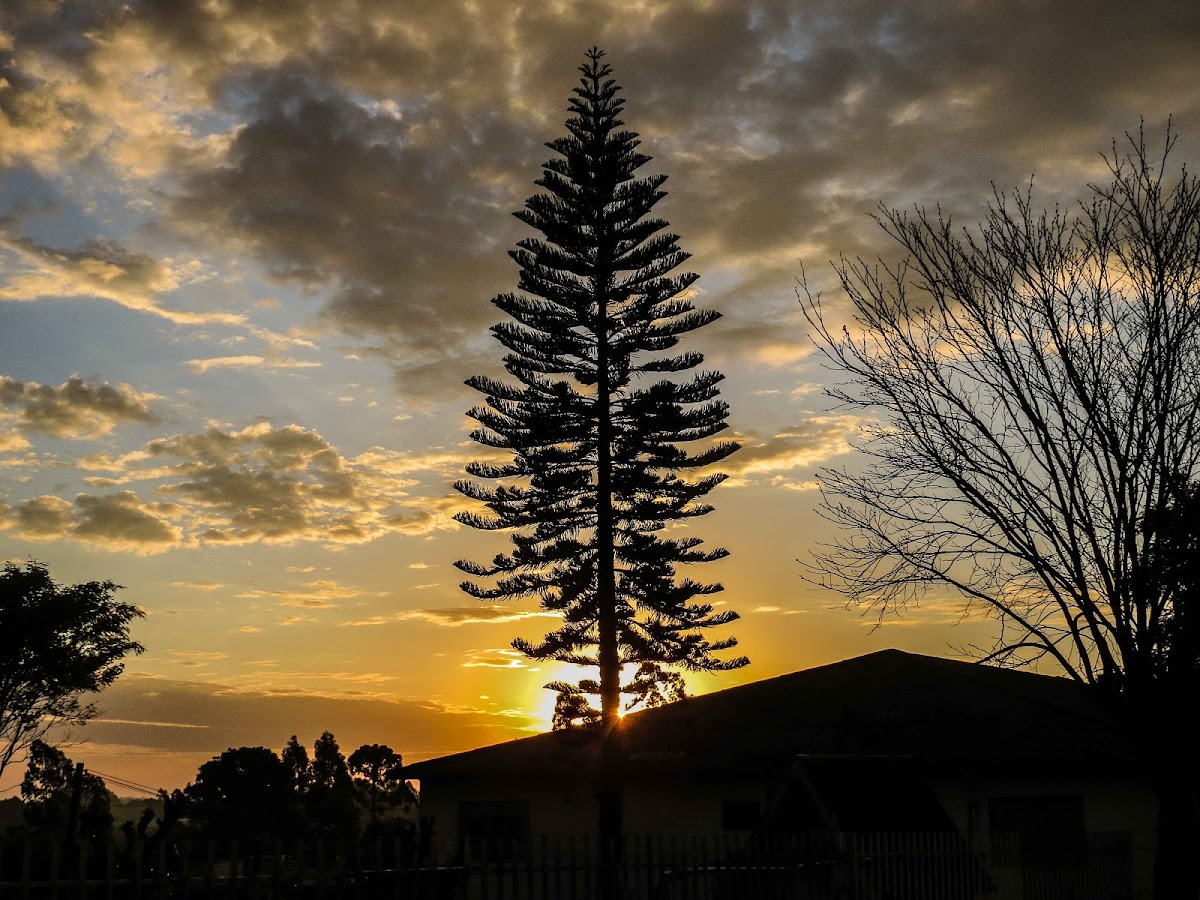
380, 770
47, 790
571, 708
57, 643
1036, 392
330, 799
593, 479
245, 793
1175, 556
295, 758
651, 685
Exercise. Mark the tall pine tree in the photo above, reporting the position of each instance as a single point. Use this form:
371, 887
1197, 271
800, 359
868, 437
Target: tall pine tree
595, 422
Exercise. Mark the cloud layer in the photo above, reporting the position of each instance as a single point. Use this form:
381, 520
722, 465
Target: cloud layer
371, 153
226, 487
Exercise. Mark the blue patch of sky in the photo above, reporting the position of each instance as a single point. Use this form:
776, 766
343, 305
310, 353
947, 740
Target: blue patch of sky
50, 339
24, 192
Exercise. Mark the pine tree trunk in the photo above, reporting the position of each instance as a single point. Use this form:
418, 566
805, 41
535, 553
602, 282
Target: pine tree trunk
606, 563
609, 797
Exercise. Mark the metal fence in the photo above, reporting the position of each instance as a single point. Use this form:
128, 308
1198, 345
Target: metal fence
895, 866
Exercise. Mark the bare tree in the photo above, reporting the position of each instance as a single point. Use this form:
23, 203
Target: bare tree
1034, 389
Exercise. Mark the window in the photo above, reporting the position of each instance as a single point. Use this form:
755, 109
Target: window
739, 815
495, 829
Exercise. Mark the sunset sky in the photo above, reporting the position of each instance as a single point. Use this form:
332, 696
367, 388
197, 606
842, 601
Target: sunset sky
247, 249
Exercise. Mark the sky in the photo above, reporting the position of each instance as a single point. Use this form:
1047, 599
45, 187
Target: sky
247, 249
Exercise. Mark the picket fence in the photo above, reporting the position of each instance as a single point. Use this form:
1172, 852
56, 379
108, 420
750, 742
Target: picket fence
895, 866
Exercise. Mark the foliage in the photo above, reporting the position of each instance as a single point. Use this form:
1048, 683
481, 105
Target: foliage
571, 708
57, 643
330, 802
379, 770
244, 793
593, 477
295, 758
47, 789
250, 792
650, 686
1175, 556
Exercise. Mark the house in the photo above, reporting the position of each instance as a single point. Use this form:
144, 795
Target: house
887, 742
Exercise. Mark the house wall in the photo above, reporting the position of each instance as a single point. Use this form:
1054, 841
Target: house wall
666, 807
558, 808
1110, 804
661, 807
649, 808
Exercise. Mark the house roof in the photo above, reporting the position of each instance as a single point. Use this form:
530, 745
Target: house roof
886, 704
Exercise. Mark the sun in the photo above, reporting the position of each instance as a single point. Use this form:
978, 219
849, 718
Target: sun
541, 702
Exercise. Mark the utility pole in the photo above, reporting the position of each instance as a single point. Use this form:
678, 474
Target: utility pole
76, 797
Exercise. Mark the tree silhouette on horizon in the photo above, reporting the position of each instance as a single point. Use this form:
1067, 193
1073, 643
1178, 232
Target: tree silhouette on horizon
594, 475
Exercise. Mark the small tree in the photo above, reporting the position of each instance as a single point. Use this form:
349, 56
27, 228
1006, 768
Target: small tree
295, 759
380, 770
47, 790
594, 475
57, 643
330, 798
245, 793
1036, 388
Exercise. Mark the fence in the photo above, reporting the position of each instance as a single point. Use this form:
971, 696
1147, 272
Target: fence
770, 867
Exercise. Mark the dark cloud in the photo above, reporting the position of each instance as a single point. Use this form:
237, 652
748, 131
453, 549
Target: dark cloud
122, 521
75, 408
401, 218
371, 152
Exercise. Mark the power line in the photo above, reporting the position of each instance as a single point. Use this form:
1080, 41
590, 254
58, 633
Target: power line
125, 783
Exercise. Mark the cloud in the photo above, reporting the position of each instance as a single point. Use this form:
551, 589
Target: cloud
273, 355
198, 655
321, 594
501, 658
40, 517
98, 268
810, 443
777, 610
199, 585
444, 463
226, 487
200, 366
75, 409
417, 186
453, 616
371, 154
121, 521
12, 441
